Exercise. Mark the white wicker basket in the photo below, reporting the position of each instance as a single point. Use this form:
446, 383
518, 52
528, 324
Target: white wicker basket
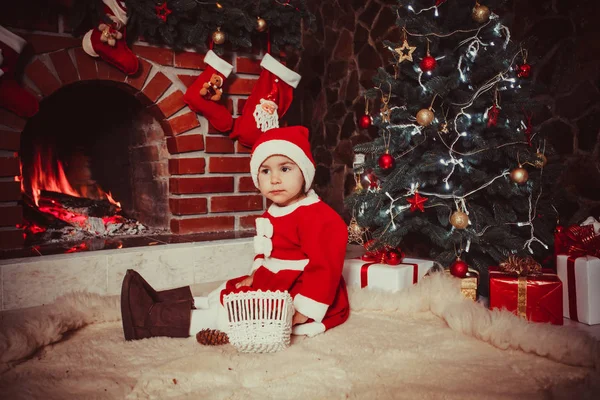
259, 322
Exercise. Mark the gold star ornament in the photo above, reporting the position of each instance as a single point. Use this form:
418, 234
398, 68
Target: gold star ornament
405, 51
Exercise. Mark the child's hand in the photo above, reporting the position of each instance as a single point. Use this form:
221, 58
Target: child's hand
245, 282
299, 318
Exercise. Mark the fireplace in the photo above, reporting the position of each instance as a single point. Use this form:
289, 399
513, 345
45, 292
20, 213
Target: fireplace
93, 164
125, 146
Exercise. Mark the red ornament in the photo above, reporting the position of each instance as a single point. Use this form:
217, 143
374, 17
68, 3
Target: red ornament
493, 116
439, 2
386, 162
364, 121
524, 70
459, 268
428, 63
416, 202
162, 11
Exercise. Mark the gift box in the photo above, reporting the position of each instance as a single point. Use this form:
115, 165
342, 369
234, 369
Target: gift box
468, 284
581, 287
537, 298
391, 278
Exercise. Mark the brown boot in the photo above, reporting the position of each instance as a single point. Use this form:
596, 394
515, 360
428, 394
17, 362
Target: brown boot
181, 293
144, 316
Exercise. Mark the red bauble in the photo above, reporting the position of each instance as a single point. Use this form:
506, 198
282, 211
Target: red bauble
428, 63
364, 121
459, 268
523, 71
386, 162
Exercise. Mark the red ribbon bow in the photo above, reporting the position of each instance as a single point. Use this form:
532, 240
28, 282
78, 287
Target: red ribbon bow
579, 241
385, 255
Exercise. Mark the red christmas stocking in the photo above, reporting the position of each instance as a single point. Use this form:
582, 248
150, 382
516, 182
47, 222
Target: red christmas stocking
270, 99
12, 96
108, 40
204, 94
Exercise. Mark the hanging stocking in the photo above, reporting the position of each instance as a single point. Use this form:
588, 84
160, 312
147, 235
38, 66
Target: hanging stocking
108, 40
12, 96
204, 94
269, 101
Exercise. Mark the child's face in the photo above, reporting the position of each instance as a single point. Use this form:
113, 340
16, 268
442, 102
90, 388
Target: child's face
281, 181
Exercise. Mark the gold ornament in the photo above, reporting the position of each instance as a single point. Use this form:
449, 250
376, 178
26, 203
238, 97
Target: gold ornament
261, 24
480, 13
459, 220
540, 161
355, 232
519, 175
425, 116
218, 37
405, 52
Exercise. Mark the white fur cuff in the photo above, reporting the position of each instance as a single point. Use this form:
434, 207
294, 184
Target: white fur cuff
218, 63
311, 308
287, 75
13, 41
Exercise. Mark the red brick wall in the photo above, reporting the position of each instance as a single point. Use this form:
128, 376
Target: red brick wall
210, 188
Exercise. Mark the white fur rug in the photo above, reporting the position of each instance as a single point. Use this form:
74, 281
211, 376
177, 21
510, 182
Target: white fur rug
423, 343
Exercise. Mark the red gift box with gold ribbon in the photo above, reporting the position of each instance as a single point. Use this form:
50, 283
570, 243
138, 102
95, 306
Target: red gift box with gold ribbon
538, 298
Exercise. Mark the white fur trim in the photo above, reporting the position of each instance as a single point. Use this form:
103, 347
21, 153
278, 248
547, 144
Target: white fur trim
277, 211
86, 44
287, 75
13, 41
310, 329
119, 12
264, 227
257, 264
218, 63
311, 308
284, 148
276, 264
263, 245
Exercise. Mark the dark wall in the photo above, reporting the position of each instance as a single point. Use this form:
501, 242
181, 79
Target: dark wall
343, 52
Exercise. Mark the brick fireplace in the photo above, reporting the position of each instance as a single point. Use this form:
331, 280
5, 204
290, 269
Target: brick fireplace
200, 174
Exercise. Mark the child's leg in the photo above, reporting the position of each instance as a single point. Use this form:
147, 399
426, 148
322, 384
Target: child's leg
209, 312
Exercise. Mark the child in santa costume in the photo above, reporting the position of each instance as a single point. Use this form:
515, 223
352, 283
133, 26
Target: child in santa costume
300, 247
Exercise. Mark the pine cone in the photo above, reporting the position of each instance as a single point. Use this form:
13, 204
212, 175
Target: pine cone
212, 337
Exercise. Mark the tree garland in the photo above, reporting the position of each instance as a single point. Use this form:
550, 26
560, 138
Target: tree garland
183, 24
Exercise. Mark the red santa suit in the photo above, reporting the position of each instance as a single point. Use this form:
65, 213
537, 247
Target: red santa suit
300, 248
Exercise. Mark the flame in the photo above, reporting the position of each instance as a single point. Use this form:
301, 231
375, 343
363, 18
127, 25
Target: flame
49, 174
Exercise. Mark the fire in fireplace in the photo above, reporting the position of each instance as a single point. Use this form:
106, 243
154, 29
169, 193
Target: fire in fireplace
93, 163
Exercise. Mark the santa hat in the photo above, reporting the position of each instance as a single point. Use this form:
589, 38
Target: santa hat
292, 142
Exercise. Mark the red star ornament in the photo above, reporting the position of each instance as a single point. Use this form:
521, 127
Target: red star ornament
162, 11
416, 202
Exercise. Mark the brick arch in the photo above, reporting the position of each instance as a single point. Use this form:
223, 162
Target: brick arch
197, 203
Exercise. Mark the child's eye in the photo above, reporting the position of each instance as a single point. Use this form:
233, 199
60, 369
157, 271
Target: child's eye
285, 169
264, 171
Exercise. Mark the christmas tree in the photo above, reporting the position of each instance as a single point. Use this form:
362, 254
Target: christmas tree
457, 163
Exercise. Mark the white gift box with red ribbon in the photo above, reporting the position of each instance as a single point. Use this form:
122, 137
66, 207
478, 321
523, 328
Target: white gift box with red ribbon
389, 278
581, 287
